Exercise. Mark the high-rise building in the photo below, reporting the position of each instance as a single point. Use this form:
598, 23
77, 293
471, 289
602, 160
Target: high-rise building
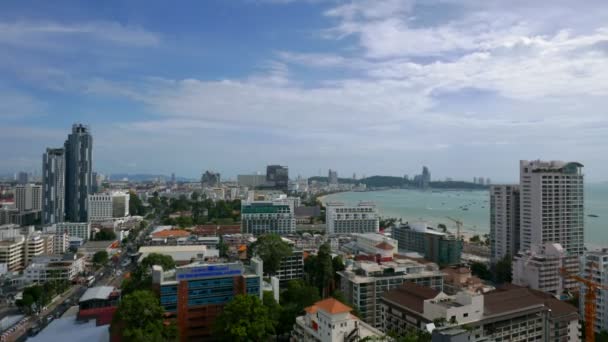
504, 221
78, 172
595, 266
539, 269
251, 181
28, 197
264, 217
22, 177
210, 179
277, 176
552, 204
439, 247
53, 186
332, 177
343, 219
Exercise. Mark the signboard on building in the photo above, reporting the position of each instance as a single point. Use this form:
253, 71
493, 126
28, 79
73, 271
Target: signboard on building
208, 271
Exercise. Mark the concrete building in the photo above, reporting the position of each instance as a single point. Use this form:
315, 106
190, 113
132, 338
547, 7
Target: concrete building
438, 247
377, 246
54, 267
277, 177
332, 177
263, 217
78, 172
98, 303
251, 181
504, 221
539, 268
78, 229
343, 219
364, 282
182, 255
509, 314
292, 267
11, 252
595, 266
211, 179
329, 320
22, 177
53, 186
552, 204
89, 248
28, 197
196, 293
35, 245
108, 206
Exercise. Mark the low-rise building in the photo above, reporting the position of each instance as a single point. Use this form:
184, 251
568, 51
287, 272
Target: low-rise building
376, 246
364, 282
458, 279
79, 229
343, 219
540, 267
89, 248
11, 252
439, 247
329, 320
196, 293
98, 303
182, 255
54, 267
292, 267
595, 267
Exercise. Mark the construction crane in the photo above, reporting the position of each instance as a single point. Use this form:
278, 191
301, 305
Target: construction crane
458, 226
590, 297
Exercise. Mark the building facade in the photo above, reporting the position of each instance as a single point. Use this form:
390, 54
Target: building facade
264, 217
28, 197
277, 176
504, 221
438, 247
210, 179
78, 172
77, 229
343, 219
11, 252
53, 186
251, 181
364, 283
55, 267
594, 266
539, 268
552, 204
108, 206
292, 267
196, 293
329, 320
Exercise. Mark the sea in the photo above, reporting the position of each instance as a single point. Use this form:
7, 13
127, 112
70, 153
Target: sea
435, 206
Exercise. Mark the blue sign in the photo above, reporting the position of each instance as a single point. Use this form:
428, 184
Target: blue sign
209, 271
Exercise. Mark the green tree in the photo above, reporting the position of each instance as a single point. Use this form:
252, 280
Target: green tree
166, 261
324, 272
195, 196
139, 317
602, 336
100, 258
481, 270
105, 235
475, 239
297, 296
136, 207
338, 265
141, 277
503, 271
244, 318
271, 249
274, 309
222, 248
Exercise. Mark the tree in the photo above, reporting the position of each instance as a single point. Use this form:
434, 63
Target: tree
136, 207
165, 261
141, 277
503, 271
475, 239
100, 258
271, 249
338, 265
195, 196
295, 298
323, 272
105, 235
602, 336
139, 317
274, 308
481, 270
244, 318
222, 248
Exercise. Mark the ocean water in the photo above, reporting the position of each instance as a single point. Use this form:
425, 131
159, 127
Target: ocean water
436, 205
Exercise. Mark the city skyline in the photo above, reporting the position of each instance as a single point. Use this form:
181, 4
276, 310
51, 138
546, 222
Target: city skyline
359, 86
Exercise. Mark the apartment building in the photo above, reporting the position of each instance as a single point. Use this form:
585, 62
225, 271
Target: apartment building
54, 267
552, 204
196, 293
265, 217
508, 314
78, 229
343, 219
504, 221
539, 268
108, 206
292, 267
364, 282
595, 267
329, 320
436, 246
28, 197
11, 252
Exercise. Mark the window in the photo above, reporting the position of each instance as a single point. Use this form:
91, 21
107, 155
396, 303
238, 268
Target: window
466, 314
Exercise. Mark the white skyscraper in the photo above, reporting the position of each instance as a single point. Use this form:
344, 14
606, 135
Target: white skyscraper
552, 204
28, 197
504, 221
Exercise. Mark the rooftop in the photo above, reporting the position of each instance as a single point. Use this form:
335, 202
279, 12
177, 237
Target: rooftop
169, 233
411, 295
98, 292
329, 305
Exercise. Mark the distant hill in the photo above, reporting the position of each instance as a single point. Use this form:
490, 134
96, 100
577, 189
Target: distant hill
400, 182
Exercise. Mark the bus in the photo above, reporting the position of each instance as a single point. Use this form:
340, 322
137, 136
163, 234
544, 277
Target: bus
90, 280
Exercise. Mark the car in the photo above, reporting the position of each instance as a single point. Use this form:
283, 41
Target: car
49, 318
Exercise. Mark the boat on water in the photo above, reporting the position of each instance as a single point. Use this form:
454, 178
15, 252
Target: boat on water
465, 208
592, 215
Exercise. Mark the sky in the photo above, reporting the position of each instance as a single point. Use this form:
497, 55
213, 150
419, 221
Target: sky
467, 88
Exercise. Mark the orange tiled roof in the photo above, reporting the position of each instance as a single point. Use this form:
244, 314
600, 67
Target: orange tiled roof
329, 305
385, 245
171, 233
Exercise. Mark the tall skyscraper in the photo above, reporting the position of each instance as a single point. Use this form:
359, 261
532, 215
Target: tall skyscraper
277, 176
552, 204
28, 197
53, 186
211, 179
332, 177
504, 221
22, 177
78, 172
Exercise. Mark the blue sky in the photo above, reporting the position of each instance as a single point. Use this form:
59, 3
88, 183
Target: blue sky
368, 86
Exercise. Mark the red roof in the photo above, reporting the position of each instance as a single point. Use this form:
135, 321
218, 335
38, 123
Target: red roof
385, 245
329, 305
171, 233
